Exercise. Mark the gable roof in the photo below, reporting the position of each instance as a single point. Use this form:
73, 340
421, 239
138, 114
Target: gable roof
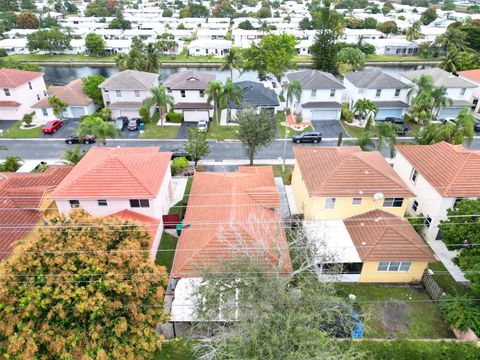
230, 214
316, 79
72, 94
122, 173
189, 80
451, 169
348, 171
12, 78
22, 195
255, 94
130, 80
374, 79
380, 236
440, 78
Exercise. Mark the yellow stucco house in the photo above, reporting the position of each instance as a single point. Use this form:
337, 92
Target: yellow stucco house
340, 182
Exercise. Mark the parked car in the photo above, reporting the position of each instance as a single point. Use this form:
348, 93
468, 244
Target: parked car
203, 125
180, 153
394, 120
75, 139
52, 126
308, 136
121, 123
477, 125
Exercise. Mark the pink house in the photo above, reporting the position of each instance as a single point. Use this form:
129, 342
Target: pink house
19, 90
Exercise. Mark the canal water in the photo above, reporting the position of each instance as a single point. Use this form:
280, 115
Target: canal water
61, 75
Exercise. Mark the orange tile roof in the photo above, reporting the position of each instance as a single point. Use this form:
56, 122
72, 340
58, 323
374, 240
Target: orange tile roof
451, 169
347, 171
72, 94
116, 173
380, 236
11, 78
471, 74
21, 196
148, 223
230, 214
9, 103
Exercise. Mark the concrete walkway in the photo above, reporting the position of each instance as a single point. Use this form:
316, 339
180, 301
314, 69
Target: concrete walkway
179, 185
284, 209
291, 200
446, 257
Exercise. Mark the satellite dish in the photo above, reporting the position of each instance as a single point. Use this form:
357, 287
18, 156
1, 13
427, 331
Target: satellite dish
378, 196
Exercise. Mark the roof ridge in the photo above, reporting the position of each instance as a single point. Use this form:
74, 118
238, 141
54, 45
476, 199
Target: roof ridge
459, 170
131, 173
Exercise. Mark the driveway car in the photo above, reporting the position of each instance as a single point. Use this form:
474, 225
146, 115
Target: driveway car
52, 126
180, 153
203, 125
75, 139
308, 136
121, 123
394, 120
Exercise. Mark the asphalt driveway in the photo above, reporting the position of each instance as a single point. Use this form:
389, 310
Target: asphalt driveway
183, 131
69, 127
329, 128
5, 124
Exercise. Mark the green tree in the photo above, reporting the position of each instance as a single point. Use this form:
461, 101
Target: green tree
440, 100
28, 5
58, 105
428, 16
27, 20
232, 61
364, 108
152, 58
245, 25
11, 164
112, 299
388, 27
95, 44
463, 128
90, 87
161, 99
96, 126
197, 145
48, 40
48, 22
73, 156
8, 21
293, 93
194, 10
305, 24
274, 55
370, 23
264, 12
350, 59
255, 130
167, 13
448, 5
413, 32
461, 313
387, 134
365, 141
452, 40
214, 92
9, 5
166, 43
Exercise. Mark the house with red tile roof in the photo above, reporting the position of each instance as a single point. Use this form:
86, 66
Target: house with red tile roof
25, 199
78, 103
474, 77
19, 91
440, 175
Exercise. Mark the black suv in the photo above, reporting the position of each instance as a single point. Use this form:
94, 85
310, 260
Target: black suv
75, 139
403, 129
394, 120
308, 136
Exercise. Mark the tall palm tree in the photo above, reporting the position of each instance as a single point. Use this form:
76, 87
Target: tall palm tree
387, 133
449, 62
453, 40
413, 32
293, 93
427, 134
462, 129
440, 100
232, 61
161, 99
121, 61
230, 92
422, 107
214, 91
152, 58
419, 85
364, 108
365, 141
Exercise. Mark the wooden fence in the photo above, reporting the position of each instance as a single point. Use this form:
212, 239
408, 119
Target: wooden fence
434, 290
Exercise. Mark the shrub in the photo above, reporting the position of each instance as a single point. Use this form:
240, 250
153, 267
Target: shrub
27, 119
417, 221
174, 117
347, 114
3, 53
461, 313
144, 113
179, 164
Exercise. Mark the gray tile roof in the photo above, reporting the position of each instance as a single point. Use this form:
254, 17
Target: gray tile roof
316, 79
374, 79
130, 80
255, 94
322, 105
189, 80
440, 78
390, 104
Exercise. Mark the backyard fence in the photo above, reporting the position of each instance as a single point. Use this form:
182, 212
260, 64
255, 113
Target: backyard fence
434, 290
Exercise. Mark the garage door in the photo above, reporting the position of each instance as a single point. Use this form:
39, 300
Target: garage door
77, 111
128, 113
383, 113
449, 113
324, 114
195, 116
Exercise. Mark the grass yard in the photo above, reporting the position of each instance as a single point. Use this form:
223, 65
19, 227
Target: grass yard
291, 132
176, 349
182, 203
154, 131
390, 311
221, 132
60, 57
381, 58
15, 132
446, 281
165, 258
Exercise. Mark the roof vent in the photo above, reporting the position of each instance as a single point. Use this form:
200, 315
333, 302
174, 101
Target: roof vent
362, 224
378, 196
366, 172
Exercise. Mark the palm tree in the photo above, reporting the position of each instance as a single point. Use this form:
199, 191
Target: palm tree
413, 32
363, 108
214, 91
419, 85
449, 62
387, 133
462, 129
231, 92
365, 141
440, 100
422, 107
293, 93
453, 40
232, 60
73, 156
11, 164
161, 99
152, 58
264, 27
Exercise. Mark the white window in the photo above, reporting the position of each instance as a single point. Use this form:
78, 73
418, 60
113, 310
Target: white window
44, 112
119, 93
74, 203
397, 92
7, 92
332, 93
379, 92
415, 205
393, 202
402, 266
102, 202
330, 203
414, 176
139, 203
357, 201
137, 93
314, 93
462, 91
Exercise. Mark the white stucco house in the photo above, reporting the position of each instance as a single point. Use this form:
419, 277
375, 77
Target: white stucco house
72, 94
20, 90
387, 92
124, 92
188, 91
322, 95
209, 47
474, 77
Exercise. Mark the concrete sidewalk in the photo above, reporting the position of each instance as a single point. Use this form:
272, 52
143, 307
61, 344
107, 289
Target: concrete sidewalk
446, 257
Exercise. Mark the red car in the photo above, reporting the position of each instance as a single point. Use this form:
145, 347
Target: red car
52, 126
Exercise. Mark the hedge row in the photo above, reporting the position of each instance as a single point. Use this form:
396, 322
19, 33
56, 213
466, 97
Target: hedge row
174, 117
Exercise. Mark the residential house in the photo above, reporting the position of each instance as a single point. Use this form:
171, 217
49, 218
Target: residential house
254, 95
245, 38
242, 209
188, 91
394, 47
340, 182
19, 91
441, 175
373, 247
124, 92
25, 201
352, 36
322, 95
474, 77
458, 89
387, 92
78, 103
303, 47
14, 46
210, 34
209, 47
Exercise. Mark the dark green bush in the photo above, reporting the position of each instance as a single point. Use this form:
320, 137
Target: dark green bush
174, 117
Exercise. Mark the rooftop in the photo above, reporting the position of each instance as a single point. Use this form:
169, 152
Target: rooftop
189, 80
72, 94
315, 79
440, 78
12, 78
130, 80
374, 79
255, 94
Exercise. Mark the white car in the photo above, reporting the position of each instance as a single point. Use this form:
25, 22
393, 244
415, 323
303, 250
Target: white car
203, 125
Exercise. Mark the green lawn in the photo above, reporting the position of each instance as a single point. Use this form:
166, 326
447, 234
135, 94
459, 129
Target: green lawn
221, 132
446, 281
154, 131
176, 349
165, 258
353, 131
291, 132
15, 132
182, 203
397, 311
381, 58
